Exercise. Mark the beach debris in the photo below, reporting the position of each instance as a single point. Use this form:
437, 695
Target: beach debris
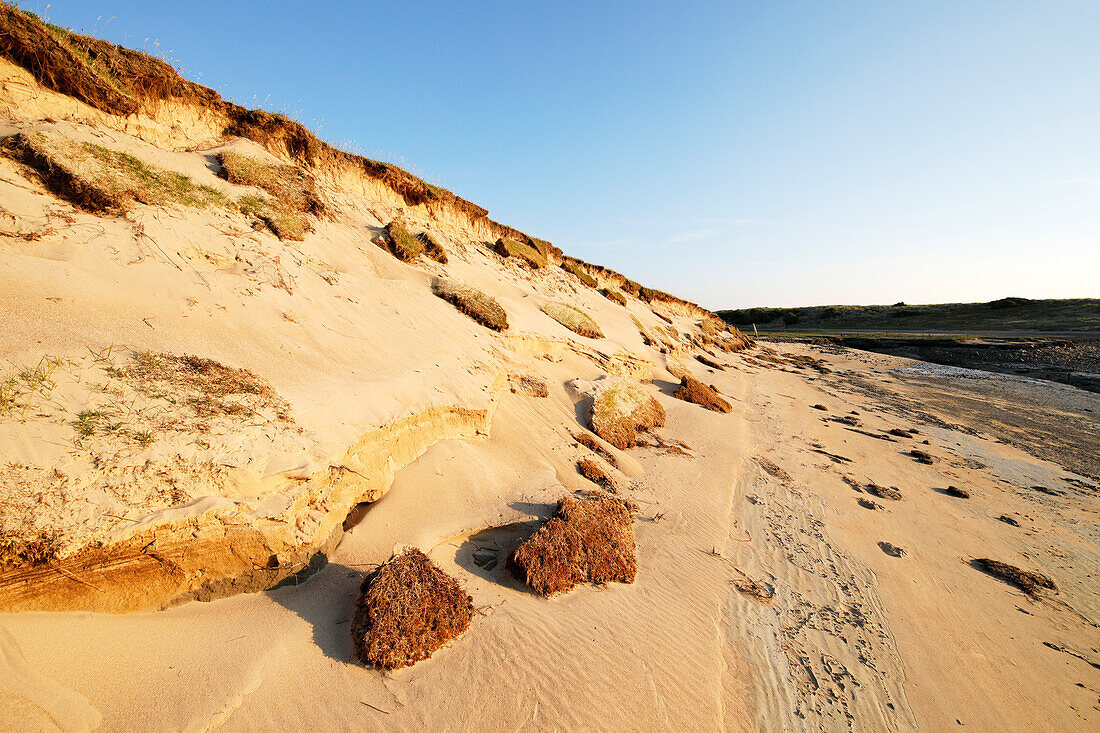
883, 492
922, 457
591, 470
772, 468
956, 492
526, 384
407, 609
622, 409
891, 550
692, 390
755, 589
821, 407
589, 539
1008, 520
868, 504
709, 362
1029, 581
851, 420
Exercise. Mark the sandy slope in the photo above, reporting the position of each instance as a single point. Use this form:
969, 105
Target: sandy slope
853, 638
763, 600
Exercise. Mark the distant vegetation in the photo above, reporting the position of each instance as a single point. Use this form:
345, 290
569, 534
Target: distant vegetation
1006, 314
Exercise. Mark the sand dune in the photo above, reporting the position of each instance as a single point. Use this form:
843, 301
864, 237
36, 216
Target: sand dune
210, 435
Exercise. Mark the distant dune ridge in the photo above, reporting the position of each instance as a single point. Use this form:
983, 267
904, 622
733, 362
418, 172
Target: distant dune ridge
379, 428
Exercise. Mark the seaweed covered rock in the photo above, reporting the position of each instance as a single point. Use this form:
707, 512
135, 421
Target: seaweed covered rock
692, 390
407, 609
589, 539
622, 409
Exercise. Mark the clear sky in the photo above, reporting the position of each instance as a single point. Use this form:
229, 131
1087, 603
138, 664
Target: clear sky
733, 153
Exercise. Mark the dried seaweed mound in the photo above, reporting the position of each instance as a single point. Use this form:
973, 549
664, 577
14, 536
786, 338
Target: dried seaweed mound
622, 410
692, 390
477, 305
1029, 581
407, 609
591, 470
589, 539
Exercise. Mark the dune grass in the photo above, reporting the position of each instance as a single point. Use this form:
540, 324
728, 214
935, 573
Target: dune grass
692, 390
402, 244
584, 277
622, 409
102, 180
575, 320
477, 305
524, 252
432, 247
614, 296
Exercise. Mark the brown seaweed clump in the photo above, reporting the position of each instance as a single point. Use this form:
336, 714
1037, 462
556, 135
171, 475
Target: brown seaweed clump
1029, 581
692, 390
407, 609
589, 539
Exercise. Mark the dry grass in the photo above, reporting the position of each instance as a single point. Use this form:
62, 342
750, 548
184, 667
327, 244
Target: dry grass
614, 296
883, 492
293, 191
432, 247
16, 551
528, 385
19, 387
407, 609
524, 252
575, 320
576, 269
591, 470
594, 445
709, 362
956, 492
208, 388
589, 539
102, 180
477, 305
692, 390
1029, 581
402, 245
623, 409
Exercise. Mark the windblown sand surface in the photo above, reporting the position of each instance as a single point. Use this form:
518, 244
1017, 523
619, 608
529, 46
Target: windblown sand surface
209, 435
846, 636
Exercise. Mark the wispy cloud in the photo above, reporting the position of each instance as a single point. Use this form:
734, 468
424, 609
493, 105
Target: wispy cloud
696, 235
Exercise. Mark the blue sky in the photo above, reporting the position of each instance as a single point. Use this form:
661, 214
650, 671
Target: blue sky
733, 153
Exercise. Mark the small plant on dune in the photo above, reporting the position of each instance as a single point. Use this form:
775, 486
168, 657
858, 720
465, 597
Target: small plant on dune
432, 247
575, 320
692, 390
614, 296
622, 409
209, 388
542, 247
477, 305
407, 609
292, 190
403, 245
589, 539
19, 386
282, 222
524, 252
576, 269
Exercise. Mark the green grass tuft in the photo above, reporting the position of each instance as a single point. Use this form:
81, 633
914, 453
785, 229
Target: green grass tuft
524, 252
